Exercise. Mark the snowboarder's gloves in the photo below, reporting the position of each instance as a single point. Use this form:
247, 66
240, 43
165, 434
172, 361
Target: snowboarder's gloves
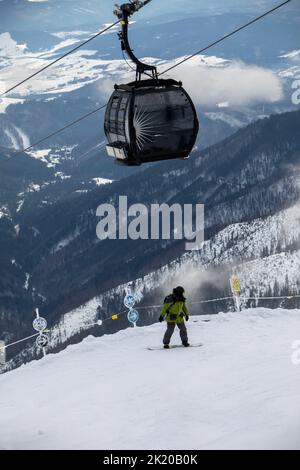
160, 319
187, 318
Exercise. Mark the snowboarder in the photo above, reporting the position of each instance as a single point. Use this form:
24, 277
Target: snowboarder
175, 311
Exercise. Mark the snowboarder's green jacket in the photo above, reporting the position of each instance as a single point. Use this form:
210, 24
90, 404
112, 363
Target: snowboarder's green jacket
178, 308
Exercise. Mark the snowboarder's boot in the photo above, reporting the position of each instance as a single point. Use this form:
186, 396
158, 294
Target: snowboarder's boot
166, 346
185, 344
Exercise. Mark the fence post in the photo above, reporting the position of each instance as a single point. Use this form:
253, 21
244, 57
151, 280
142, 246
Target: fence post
235, 285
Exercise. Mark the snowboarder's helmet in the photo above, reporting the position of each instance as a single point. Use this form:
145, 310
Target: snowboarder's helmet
178, 291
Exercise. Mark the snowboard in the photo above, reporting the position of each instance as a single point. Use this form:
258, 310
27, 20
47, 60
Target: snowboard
174, 346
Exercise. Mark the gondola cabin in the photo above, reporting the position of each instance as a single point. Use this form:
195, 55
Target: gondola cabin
149, 121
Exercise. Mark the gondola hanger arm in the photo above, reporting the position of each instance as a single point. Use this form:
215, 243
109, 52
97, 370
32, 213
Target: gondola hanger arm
123, 12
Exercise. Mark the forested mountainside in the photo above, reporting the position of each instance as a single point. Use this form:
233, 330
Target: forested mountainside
251, 176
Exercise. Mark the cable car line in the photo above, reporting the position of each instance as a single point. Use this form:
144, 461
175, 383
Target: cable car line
160, 74
59, 59
141, 4
226, 36
67, 126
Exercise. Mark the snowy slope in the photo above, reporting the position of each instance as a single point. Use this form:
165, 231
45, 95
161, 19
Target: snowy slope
240, 390
258, 271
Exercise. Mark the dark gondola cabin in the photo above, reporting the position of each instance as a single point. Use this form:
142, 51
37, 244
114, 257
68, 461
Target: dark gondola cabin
148, 120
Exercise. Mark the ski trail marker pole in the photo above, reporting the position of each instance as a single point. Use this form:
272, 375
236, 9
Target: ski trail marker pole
235, 285
40, 324
129, 302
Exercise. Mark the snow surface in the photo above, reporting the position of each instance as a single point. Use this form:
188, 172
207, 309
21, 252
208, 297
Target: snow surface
100, 181
4, 212
52, 158
8, 101
291, 55
66, 241
240, 390
227, 118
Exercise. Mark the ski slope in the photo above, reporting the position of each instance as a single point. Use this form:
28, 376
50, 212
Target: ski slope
239, 391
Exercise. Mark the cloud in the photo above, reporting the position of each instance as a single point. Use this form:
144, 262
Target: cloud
235, 83
212, 81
